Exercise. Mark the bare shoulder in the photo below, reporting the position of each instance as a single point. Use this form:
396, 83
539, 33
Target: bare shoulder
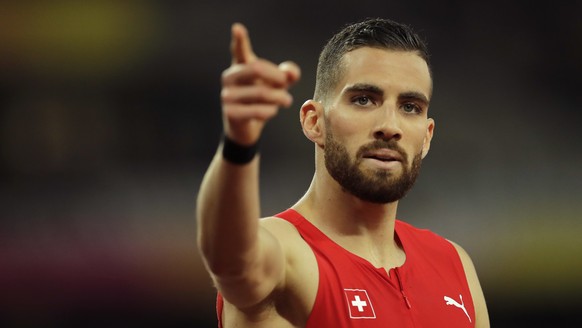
284, 230
298, 254
288, 238
279, 226
481, 313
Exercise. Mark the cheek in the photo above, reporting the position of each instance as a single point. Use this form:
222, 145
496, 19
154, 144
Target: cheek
347, 128
417, 138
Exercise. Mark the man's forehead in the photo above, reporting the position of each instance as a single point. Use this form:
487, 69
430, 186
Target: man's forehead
382, 67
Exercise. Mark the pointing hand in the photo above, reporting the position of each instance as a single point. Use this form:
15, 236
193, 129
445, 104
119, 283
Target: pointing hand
253, 89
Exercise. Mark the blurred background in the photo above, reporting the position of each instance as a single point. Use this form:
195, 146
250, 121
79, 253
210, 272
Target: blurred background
110, 114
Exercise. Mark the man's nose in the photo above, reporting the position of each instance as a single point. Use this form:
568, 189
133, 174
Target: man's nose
388, 124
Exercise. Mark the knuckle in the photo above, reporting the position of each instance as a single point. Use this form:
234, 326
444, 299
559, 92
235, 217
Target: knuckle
226, 76
231, 111
255, 68
226, 95
261, 92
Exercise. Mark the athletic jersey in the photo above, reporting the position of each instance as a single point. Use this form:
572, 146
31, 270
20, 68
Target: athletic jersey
429, 290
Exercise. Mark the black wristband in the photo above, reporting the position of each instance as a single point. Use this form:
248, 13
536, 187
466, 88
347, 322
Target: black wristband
236, 153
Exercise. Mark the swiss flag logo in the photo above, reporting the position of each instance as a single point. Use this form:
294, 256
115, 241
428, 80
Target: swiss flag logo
359, 304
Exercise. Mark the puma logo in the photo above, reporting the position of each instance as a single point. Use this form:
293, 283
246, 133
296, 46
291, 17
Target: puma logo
461, 306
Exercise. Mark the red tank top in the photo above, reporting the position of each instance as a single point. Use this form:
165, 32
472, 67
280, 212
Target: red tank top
429, 290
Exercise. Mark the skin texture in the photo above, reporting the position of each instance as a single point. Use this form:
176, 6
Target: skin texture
376, 118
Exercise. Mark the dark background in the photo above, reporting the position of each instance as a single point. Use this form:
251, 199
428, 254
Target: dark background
110, 113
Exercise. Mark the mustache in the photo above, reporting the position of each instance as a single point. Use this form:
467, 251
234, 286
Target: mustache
382, 144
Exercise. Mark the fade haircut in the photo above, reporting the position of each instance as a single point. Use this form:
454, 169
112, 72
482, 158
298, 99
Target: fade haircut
372, 32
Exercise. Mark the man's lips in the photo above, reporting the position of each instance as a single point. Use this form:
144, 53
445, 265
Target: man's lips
383, 154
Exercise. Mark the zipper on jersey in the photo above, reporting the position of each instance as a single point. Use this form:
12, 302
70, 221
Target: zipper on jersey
402, 289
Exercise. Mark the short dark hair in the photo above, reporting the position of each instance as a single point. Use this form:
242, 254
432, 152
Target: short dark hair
371, 32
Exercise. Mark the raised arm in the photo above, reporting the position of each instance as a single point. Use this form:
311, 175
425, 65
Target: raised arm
245, 261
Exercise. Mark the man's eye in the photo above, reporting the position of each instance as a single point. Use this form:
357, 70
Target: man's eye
411, 108
362, 100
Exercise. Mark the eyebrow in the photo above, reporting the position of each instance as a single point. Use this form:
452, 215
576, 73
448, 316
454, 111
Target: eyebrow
414, 96
371, 88
364, 87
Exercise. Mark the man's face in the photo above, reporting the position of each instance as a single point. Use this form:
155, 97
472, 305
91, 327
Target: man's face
377, 186
377, 130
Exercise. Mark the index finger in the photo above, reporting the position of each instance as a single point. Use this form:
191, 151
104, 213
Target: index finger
240, 45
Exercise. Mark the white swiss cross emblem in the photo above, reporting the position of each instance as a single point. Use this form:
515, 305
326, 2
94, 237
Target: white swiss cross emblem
359, 304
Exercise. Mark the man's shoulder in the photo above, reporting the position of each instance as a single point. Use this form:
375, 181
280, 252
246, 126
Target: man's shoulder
283, 224
405, 227
302, 273
420, 236
278, 226
288, 236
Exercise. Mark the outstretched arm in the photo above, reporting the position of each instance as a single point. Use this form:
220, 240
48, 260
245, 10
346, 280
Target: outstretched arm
245, 261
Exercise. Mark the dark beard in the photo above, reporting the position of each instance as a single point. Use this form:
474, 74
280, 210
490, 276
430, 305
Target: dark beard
376, 187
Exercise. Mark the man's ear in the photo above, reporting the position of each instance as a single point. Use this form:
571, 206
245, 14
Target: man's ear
311, 117
428, 137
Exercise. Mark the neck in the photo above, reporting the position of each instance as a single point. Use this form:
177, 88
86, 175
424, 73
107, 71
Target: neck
363, 228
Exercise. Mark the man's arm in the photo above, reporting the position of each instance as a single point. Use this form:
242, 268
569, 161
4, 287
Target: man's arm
481, 313
245, 261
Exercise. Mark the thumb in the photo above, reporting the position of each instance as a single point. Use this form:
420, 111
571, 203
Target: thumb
292, 71
240, 45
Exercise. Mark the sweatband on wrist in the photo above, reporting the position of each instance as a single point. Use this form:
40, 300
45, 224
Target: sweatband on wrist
236, 153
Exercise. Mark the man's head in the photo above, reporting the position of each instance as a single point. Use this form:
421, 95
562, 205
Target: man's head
369, 118
374, 33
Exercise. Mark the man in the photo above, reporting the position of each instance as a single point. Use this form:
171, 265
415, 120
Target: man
338, 257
